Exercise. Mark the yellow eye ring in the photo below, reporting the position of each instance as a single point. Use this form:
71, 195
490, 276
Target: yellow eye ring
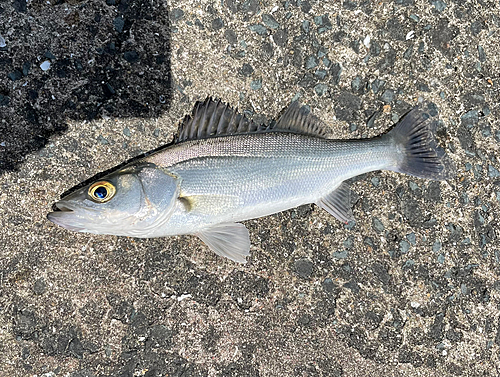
101, 191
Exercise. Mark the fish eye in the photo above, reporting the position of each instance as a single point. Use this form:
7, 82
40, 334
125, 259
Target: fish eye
101, 192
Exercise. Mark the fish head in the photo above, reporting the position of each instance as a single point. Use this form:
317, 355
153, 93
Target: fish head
133, 201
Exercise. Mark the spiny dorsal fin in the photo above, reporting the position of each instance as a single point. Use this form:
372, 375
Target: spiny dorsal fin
213, 118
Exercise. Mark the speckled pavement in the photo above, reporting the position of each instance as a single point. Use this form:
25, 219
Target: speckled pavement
411, 289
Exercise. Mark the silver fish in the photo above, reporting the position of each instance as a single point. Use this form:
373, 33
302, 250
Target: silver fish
222, 169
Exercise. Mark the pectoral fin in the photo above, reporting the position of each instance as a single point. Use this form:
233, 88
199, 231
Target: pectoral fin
338, 203
230, 240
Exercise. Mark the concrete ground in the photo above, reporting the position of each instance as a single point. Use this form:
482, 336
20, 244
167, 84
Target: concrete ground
411, 289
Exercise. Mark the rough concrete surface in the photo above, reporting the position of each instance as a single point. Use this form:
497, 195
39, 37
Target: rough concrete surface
411, 289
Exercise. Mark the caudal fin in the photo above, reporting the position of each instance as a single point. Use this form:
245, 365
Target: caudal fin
421, 156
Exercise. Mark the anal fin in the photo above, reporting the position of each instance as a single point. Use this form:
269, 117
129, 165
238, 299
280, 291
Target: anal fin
230, 240
338, 203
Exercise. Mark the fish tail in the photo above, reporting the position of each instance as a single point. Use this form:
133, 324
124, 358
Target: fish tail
420, 155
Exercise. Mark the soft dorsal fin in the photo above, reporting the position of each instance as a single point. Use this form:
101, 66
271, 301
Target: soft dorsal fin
299, 120
213, 118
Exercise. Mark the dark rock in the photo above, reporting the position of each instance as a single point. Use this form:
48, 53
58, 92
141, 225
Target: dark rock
20, 6
408, 52
280, 37
433, 192
369, 124
119, 23
347, 106
375, 48
259, 29
323, 23
476, 27
335, 71
412, 212
423, 87
481, 54
493, 172
381, 272
388, 96
304, 268
231, 36
436, 331
26, 68
355, 45
328, 285
217, 24
131, 56
349, 100
388, 60
320, 89
270, 21
267, 50
358, 85
25, 324
246, 70
320, 74
256, 84
305, 6
350, 5
16, 75
306, 26
39, 287
4, 100
49, 55
470, 118
377, 85
377, 225
439, 5
442, 34
311, 62
176, 14
199, 24
353, 286
249, 6
108, 90
307, 81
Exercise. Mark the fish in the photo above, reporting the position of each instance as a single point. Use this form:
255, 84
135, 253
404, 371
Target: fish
222, 168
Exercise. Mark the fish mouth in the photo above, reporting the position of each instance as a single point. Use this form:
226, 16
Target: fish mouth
62, 207
64, 214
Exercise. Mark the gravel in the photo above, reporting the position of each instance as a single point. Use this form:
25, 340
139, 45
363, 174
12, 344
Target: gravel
410, 288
